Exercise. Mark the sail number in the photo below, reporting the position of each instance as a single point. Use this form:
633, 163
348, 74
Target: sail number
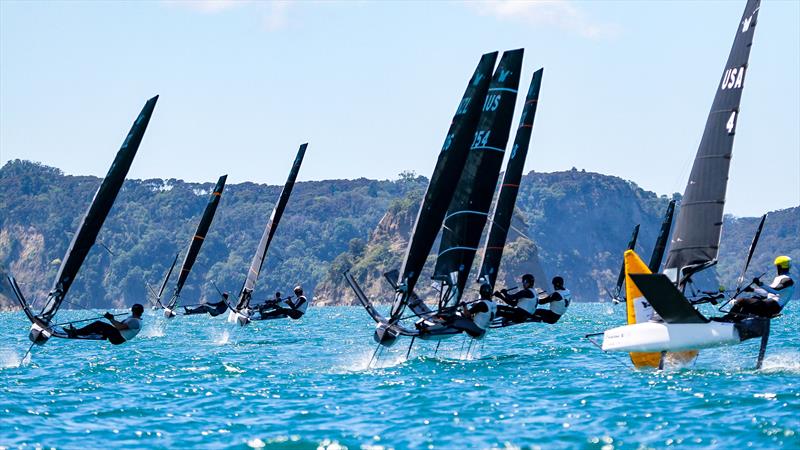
462, 107
481, 137
731, 125
491, 103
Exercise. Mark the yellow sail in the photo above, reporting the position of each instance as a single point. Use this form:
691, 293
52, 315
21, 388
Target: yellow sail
639, 310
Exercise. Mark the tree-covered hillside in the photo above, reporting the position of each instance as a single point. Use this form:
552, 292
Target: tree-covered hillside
152, 220
579, 221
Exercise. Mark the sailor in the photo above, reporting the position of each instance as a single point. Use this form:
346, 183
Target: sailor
481, 312
115, 332
271, 304
293, 309
213, 309
767, 300
559, 300
522, 303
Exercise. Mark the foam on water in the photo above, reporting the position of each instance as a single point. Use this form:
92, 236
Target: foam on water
305, 384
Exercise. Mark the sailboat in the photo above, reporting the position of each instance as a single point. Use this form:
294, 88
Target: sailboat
242, 313
507, 199
191, 253
677, 325
457, 200
42, 324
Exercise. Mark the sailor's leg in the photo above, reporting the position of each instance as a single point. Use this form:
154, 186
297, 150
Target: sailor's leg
96, 327
104, 329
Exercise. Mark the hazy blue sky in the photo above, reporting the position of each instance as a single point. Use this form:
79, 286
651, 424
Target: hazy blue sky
373, 86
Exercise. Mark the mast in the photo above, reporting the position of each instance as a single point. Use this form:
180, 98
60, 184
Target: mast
92, 221
443, 181
695, 241
621, 277
466, 217
661, 240
269, 231
198, 239
507, 198
166, 280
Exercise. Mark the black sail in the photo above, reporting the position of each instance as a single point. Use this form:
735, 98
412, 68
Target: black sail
695, 241
468, 212
92, 221
444, 179
198, 238
269, 231
661, 241
507, 198
621, 277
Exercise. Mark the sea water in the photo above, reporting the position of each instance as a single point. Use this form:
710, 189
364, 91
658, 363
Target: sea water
198, 382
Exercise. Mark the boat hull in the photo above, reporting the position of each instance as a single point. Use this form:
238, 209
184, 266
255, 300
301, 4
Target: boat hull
238, 318
669, 337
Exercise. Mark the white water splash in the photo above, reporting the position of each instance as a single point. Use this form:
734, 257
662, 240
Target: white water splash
9, 359
222, 338
231, 368
782, 362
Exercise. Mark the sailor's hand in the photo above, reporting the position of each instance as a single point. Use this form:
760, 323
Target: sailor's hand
757, 281
497, 294
108, 315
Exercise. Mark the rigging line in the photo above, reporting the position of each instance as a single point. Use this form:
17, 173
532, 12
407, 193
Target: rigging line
86, 320
105, 247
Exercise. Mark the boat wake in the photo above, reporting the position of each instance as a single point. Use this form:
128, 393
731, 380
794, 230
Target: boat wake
782, 362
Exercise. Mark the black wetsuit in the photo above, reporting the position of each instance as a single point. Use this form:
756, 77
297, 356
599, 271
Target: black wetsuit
513, 312
213, 309
104, 329
764, 305
292, 312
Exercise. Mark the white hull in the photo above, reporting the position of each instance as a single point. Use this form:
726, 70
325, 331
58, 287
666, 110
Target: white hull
669, 337
238, 318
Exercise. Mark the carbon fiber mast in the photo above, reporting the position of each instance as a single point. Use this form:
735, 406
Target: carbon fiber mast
617, 295
160, 293
661, 241
443, 183
88, 229
240, 311
468, 212
507, 198
195, 244
695, 241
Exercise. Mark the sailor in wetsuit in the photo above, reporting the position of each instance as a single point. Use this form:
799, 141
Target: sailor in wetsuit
115, 332
559, 300
767, 301
472, 318
213, 309
287, 308
522, 303
480, 312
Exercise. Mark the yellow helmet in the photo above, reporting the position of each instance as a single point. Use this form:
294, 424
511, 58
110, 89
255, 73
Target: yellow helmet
783, 262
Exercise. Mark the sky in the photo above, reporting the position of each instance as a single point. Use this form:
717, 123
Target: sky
373, 86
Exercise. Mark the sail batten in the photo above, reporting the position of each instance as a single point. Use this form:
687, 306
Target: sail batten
469, 208
96, 214
695, 241
269, 232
